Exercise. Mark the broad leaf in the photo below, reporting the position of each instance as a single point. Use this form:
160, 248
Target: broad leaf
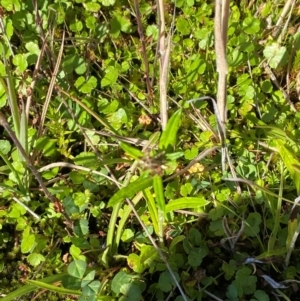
77, 268
276, 54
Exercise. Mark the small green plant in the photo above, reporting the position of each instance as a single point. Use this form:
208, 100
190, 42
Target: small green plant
149, 150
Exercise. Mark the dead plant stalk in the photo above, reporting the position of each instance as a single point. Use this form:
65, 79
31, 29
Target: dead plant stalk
164, 52
143, 51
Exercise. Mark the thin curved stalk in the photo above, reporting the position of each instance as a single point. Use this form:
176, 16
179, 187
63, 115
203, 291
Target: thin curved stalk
4, 123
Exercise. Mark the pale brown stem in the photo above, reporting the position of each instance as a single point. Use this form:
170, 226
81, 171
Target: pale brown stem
144, 51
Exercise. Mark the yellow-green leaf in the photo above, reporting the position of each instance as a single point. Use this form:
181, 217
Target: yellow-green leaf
289, 159
186, 203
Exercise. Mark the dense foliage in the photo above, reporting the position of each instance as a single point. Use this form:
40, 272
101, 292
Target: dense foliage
100, 200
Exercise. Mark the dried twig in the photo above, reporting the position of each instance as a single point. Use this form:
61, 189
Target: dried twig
39, 22
130, 140
276, 83
77, 167
289, 68
164, 51
287, 23
201, 156
221, 23
51, 87
231, 237
285, 11
34, 78
144, 50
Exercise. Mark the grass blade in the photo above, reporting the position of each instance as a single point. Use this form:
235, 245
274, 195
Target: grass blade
129, 191
169, 135
131, 151
22, 291
161, 204
152, 209
186, 202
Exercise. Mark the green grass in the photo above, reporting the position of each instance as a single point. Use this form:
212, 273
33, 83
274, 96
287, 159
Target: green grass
124, 176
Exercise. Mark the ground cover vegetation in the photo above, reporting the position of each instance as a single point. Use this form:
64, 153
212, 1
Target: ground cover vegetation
149, 150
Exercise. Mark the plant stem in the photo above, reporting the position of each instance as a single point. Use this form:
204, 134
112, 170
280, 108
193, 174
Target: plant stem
144, 50
4, 123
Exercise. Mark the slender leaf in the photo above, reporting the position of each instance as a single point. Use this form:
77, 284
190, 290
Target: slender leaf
12, 97
275, 132
185, 203
53, 288
152, 209
289, 159
23, 290
131, 151
122, 223
159, 192
169, 135
160, 203
130, 190
276, 212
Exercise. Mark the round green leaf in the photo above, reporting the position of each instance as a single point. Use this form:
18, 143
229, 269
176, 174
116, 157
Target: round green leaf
110, 78
35, 259
33, 48
131, 291
152, 31
86, 86
119, 280
92, 6
251, 25
134, 262
77, 268
9, 28
183, 26
27, 243
127, 235
108, 2
84, 226
166, 281
20, 61
88, 278
275, 54
81, 66
5, 147
267, 86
